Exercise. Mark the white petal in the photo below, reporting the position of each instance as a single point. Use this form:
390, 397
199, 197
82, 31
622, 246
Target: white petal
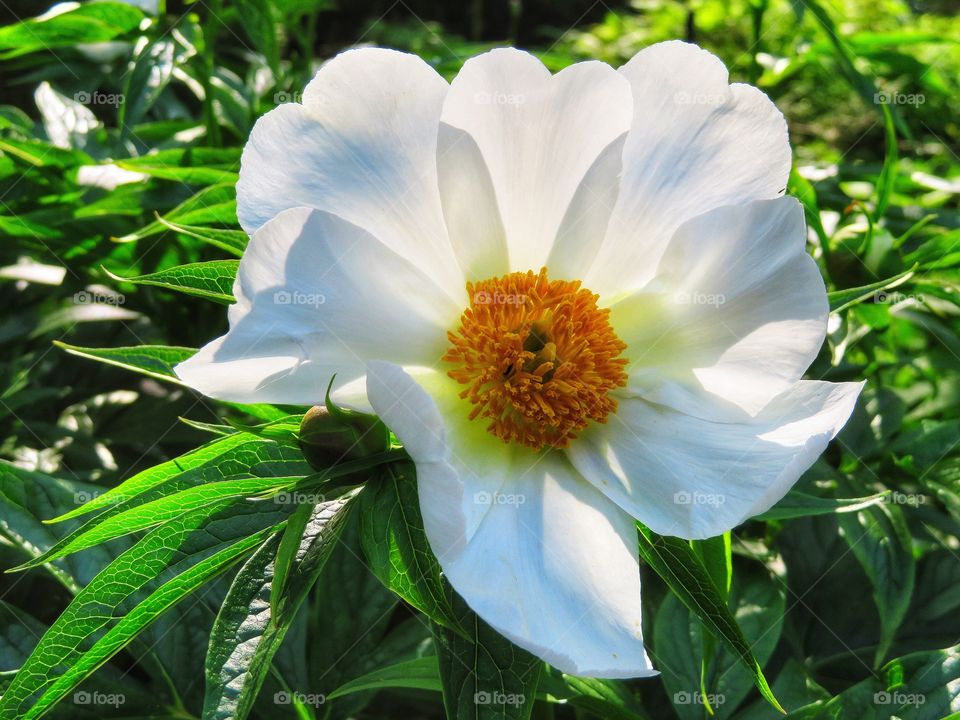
316, 296
552, 565
737, 307
695, 143
588, 214
363, 145
470, 206
689, 477
538, 135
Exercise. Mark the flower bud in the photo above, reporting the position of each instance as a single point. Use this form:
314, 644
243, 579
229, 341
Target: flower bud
332, 437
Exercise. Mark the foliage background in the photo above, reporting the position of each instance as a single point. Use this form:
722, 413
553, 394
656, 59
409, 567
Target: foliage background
838, 606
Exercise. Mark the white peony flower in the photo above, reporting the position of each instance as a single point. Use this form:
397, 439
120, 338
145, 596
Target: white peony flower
577, 299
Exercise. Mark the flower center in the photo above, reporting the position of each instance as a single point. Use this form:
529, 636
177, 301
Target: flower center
538, 357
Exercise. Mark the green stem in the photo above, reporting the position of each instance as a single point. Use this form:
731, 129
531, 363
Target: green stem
209, 39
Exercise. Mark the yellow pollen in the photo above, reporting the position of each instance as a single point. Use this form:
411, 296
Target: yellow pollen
538, 358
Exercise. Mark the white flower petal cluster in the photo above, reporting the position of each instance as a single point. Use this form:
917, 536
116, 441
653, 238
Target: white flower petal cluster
376, 204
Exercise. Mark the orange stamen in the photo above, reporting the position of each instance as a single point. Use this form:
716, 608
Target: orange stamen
538, 357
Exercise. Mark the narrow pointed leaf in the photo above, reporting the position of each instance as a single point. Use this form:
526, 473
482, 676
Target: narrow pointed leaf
842, 299
216, 204
167, 508
233, 241
223, 457
797, 504
253, 621
675, 561
211, 280
421, 673
180, 542
138, 619
156, 361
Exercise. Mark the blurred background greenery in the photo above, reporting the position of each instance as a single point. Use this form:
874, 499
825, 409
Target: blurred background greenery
121, 126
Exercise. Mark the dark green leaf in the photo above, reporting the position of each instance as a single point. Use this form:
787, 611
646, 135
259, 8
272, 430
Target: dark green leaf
250, 628
485, 676
674, 560
391, 532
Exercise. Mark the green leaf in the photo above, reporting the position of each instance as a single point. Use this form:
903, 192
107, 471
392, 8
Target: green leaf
842, 299
44, 155
607, 699
920, 686
395, 545
87, 23
794, 685
797, 504
758, 603
138, 619
212, 280
223, 457
847, 61
485, 676
213, 205
25, 499
23, 227
18, 636
346, 650
251, 625
888, 174
259, 21
800, 187
201, 166
716, 555
881, 542
421, 673
233, 241
167, 508
183, 541
939, 251
156, 361
675, 561
148, 74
